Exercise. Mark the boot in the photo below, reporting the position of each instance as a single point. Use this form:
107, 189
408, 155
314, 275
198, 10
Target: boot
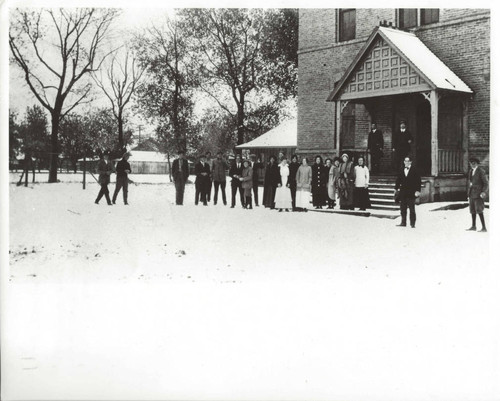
249, 202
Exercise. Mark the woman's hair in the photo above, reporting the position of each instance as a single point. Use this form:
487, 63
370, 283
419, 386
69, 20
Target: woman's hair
320, 159
294, 157
272, 157
328, 159
361, 157
304, 158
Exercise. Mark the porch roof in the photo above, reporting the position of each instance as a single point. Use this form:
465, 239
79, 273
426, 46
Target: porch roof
433, 73
282, 136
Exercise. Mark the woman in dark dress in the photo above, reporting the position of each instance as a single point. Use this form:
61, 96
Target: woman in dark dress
271, 180
318, 184
293, 167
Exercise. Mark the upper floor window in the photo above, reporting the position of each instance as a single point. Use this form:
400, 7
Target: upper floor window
347, 24
407, 17
413, 17
429, 15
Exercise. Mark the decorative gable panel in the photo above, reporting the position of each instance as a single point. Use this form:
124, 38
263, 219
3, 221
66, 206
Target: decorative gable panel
382, 72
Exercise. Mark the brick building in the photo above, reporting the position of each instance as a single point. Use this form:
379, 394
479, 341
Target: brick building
429, 67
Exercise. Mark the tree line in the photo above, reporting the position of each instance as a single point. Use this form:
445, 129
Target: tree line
206, 79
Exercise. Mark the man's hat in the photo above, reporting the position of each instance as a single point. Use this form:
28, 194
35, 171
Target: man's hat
474, 160
402, 122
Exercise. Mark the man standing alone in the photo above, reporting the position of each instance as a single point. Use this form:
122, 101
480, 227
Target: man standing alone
409, 184
122, 171
180, 173
375, 148
478, 185
105, 169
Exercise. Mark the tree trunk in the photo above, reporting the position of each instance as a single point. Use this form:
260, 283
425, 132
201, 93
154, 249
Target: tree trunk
54, 145
239, 122
120, 131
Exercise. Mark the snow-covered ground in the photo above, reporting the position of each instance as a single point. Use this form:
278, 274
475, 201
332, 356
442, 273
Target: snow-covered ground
154, 300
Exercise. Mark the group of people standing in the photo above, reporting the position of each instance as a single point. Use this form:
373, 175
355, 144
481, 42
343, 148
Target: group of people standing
288, 185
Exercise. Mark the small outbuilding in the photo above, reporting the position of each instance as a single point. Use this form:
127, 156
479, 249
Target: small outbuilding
282, 138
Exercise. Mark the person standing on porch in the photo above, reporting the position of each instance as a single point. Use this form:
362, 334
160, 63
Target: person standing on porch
408, 183
180, 173
402, 144
375, 148
478, 186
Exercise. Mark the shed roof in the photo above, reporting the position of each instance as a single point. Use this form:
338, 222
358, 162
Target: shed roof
282, 136
147, 156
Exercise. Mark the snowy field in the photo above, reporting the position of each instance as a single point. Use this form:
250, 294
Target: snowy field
158, 301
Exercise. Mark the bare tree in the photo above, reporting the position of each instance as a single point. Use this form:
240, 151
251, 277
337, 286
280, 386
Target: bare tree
55, 49
119, 81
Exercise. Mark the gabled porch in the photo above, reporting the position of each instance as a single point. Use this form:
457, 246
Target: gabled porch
396, 77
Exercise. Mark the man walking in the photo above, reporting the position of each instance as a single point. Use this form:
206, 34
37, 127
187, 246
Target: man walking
105, 169
375, 148
219, 168
122, 171
180, 173
477, 188
408, 183
235, 174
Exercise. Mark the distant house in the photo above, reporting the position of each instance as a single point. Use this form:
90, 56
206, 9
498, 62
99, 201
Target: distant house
148, 162
282, 138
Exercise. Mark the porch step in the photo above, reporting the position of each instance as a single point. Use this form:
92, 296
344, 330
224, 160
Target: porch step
381, 192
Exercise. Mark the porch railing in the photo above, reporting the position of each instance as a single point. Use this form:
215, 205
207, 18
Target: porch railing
450, 160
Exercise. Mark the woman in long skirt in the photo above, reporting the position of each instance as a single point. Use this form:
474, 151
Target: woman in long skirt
333, 176
303, 178
346, 183
318, 184
246, 183
271, 180
361, 182
283, 199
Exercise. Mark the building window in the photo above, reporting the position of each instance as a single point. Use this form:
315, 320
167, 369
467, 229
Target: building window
407, 18
347, 24
429, 16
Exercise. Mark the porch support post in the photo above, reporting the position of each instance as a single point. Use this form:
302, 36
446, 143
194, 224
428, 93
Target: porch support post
338, 123
465, 135
434, 100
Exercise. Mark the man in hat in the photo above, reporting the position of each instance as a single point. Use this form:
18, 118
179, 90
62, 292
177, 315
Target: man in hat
477, 188
122, 171
375, 148
235, 174
402, 144
105, 169
409, 184
180, 173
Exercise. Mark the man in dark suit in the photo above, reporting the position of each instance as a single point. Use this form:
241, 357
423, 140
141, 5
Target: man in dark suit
202, 184
402, 144
408, 183
257, 166
180, 173
235, 174
122, 171
375, 148
477, 188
